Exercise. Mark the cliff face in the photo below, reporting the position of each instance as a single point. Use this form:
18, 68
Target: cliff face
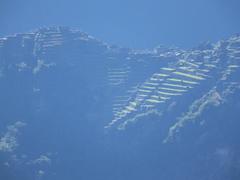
73, 107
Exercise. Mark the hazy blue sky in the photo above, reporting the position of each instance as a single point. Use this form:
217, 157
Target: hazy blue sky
131, 23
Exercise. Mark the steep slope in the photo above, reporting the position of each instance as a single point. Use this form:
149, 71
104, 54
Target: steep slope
74, 107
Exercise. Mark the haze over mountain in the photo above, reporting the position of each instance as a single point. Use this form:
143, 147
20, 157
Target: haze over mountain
74, 107
128, 23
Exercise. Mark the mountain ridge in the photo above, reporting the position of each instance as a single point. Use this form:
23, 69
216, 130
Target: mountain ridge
102, 101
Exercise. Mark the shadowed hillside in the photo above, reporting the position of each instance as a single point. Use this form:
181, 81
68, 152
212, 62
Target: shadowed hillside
74, 107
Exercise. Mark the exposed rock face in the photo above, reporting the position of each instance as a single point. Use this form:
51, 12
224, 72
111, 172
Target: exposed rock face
95, 110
